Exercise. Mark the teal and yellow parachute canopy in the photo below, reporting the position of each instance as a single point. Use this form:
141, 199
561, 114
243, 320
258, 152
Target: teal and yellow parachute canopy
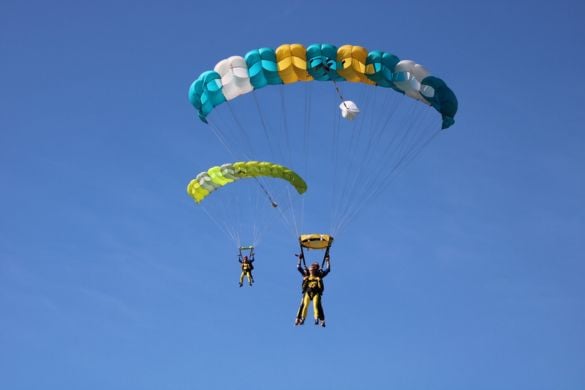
218, 176
291, 63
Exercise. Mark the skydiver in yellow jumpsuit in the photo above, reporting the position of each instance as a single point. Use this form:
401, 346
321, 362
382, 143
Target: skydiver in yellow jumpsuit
247, 268
313, 288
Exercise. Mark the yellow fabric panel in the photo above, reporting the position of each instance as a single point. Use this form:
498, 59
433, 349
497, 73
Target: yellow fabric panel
353, 60
316, 241
292, 63
196, 191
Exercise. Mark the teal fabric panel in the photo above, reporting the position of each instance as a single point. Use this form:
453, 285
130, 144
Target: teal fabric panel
444, 100
262, 67
205, 93
322, 62
383, 64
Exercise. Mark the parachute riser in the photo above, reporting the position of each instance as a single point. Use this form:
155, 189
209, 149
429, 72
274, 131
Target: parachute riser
242, 250
302, 256
325, 256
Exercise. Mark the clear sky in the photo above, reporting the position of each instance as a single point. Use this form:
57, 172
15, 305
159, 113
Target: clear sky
467, 272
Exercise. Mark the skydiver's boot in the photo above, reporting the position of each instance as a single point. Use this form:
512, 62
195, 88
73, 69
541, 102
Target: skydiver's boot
316, 321
241, 284
323, 323
299, 321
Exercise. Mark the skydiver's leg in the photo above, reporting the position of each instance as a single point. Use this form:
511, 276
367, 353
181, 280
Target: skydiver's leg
242, 278
303, 308
318, 307
306, 302
299, 318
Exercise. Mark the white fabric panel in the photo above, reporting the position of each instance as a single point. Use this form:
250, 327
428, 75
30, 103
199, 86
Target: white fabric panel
205, 181
228, 171
349, 110
408, 76
234, 77
427, 91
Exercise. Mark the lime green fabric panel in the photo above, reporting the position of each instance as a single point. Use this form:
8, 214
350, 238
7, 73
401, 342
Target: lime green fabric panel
217, 177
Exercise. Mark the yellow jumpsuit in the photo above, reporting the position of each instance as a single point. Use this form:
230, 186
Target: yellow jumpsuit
313, 288
247, 268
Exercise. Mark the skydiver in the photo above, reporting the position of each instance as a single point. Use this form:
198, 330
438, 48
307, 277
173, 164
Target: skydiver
247, 268
312, 289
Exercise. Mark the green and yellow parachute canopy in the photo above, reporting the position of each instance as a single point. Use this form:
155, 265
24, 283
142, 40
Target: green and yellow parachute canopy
218, 176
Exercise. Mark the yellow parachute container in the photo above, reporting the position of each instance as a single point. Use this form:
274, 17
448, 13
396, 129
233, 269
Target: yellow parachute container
316, 241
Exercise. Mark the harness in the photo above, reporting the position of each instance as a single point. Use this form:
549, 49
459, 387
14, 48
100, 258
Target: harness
313, 285
248, 251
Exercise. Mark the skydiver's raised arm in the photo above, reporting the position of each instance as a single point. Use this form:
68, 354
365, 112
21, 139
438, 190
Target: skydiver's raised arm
299, 267
327, 267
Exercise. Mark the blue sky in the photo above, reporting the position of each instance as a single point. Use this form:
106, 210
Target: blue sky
466, 273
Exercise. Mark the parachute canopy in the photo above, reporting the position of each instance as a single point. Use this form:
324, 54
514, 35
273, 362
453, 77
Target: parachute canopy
291, 63
316, 241
218, 176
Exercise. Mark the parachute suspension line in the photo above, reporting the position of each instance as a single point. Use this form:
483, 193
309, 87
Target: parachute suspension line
219, 135
287, 159
338, 91
352, 186
378, 130
390, 176
287, 222
306, 132
223, 227
296, 226
341, 195
239, 240
305, 147
373, 182
270, 198
263, 123
307, 124
335, 159
285, 155
409, 134
256, 230
249, 143
354, 170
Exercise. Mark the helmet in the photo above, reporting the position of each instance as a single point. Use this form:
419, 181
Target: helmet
314, 266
